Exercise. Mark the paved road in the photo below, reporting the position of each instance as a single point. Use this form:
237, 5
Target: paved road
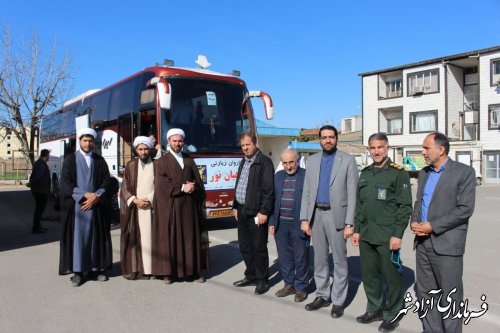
33, 298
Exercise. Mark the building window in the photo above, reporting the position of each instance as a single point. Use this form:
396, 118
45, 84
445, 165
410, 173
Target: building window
390, 85
8, 152
425, 121
494, 116
391, 120
423, 82
495, 72
8, 145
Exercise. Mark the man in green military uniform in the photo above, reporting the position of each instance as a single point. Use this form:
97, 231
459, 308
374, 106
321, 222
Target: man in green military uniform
383, 208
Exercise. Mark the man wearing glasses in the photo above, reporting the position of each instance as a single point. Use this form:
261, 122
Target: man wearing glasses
383, 208
284, 224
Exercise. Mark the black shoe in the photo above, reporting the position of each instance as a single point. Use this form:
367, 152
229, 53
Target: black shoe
369, 317
98, 276
244, 282
39, 230
337, 311
76, 280
387, 326
262, 287
317, 304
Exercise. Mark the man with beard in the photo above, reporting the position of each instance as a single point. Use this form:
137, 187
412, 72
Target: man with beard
182, 240
383, 209
445, 202
136, 213
284, 224
327, 214
86, 241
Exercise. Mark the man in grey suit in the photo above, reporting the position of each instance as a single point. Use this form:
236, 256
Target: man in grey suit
445, 202
327, 215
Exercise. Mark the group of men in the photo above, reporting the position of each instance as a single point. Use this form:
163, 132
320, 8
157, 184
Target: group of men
163, 231
330, 202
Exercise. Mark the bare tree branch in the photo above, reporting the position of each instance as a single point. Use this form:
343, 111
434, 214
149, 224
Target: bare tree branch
31, 84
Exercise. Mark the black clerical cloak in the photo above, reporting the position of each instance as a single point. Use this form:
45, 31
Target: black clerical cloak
101, 253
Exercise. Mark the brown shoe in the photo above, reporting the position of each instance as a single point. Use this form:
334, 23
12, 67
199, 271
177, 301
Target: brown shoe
300, 296
287, 290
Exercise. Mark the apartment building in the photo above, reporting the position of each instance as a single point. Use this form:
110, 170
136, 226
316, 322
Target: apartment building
458, 95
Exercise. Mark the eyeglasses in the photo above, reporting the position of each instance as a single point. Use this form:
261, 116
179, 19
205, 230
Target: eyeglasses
396, 260
291, 163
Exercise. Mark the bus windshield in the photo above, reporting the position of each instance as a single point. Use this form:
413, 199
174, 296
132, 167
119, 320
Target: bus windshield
209, 112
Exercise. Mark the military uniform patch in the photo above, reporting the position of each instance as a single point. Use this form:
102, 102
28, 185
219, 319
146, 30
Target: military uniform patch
382, 194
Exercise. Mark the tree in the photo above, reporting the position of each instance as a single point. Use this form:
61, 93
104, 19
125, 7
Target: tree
31, 84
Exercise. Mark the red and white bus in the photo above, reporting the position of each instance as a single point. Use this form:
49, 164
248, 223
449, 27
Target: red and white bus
212, 108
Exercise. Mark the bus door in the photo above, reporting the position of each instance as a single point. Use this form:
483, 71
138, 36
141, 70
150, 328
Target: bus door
127, 131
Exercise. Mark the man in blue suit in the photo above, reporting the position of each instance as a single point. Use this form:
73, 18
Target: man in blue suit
292, 244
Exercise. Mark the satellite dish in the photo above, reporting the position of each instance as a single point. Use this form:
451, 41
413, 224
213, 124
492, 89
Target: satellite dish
202, 61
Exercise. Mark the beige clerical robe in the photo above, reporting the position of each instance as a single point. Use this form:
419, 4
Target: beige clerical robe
145, 189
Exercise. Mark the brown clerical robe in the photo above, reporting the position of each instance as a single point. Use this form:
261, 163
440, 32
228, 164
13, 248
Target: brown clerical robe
137, 225
182, 246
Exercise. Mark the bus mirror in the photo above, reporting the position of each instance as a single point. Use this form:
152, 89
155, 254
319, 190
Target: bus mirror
266, 99
163, 88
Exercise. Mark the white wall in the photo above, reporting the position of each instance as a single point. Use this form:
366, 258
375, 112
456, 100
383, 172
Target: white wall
490, 139
455, 100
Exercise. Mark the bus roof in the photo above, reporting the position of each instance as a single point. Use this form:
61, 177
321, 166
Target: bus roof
166, 72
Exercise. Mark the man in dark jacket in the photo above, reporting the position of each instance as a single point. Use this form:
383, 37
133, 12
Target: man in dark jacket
40, 188
292, 244
253, 203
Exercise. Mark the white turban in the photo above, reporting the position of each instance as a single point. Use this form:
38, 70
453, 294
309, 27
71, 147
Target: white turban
175, 131
143, 140
86, 131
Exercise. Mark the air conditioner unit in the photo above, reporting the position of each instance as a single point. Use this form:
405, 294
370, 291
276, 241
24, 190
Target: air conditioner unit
471, 117
417, 90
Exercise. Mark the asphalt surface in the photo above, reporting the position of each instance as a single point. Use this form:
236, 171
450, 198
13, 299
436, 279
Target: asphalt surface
34, 298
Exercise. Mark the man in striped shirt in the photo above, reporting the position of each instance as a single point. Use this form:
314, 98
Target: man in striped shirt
284, 224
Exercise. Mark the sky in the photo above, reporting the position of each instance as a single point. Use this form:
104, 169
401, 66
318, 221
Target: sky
306, 55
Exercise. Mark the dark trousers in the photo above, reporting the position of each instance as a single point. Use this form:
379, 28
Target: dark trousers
293, 256
40, 203
252, 239
375, 264
435, 272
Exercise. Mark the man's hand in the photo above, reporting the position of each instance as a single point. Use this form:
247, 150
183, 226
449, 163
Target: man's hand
92, 200
235, 214
142, 203
189, 187
271, 231
304, 226
421, 228
355, 239
348, 231
90, 196
261, 218
395, 243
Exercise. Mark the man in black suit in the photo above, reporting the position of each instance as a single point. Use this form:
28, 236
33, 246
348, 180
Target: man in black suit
40, 188
445, 201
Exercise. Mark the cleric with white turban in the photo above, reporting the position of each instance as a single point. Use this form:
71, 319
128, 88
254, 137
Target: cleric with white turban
86, 131
175, 131
143, 140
